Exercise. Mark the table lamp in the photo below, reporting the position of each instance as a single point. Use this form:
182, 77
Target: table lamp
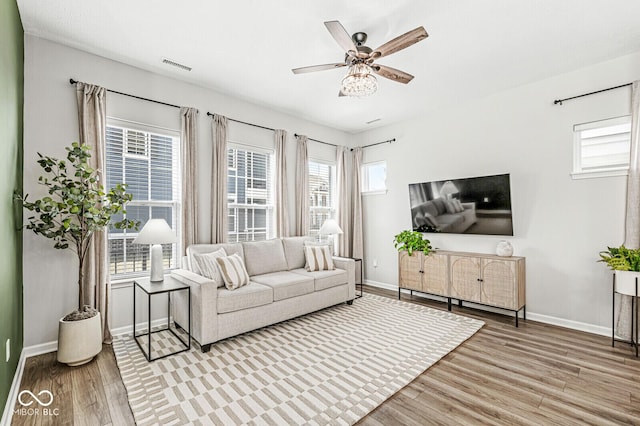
156, 232
330, 227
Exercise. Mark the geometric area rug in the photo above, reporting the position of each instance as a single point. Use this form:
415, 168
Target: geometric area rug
333, 366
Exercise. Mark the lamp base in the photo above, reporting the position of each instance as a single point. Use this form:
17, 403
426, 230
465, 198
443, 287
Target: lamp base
157, 272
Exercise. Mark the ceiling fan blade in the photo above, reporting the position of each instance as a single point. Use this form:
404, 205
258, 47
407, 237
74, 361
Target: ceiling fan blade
400, 42
341, 36
315, 68
392, 73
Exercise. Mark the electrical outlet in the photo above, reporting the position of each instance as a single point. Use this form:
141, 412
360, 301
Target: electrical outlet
8, 350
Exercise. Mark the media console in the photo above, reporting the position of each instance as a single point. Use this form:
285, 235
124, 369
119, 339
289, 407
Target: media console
483, 279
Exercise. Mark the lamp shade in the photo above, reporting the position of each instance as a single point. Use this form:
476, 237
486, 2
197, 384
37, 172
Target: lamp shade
330, 227
155, 231
449, 188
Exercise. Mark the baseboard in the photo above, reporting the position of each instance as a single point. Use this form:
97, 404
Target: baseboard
127, 329
546, 319
7, 414
574, 325
43, 348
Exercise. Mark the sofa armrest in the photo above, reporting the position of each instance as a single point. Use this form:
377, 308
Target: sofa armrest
204, 306
348, 265
471, 206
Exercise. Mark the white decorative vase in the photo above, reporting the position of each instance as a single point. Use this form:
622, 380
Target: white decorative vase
504, 248
626, 282
79, 341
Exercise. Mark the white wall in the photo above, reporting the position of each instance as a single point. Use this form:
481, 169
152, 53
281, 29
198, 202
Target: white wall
50, 124
560, 224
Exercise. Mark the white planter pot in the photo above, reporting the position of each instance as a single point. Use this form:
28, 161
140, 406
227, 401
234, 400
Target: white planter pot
626, 282
79, 341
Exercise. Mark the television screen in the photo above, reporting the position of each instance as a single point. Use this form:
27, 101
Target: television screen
478, 205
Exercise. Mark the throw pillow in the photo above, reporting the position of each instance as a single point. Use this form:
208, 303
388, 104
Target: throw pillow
207, 267
459, 205
318, 258
233, 271
451, 206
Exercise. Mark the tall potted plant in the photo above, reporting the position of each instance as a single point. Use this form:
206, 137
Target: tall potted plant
625, 264
76, 207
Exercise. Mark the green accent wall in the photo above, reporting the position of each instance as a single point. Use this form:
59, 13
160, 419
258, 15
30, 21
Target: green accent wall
11, 102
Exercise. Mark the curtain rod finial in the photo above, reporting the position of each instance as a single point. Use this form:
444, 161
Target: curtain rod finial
557, 102
72, 81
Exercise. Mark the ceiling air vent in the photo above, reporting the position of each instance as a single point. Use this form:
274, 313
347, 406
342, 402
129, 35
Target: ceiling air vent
373, 121
175, 64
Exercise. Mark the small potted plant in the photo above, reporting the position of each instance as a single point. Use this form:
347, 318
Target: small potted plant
411, 241
625, 264
75, 208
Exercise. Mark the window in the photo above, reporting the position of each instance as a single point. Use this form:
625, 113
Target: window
601, 148
322, 188
146, 159
374, 177
250, 194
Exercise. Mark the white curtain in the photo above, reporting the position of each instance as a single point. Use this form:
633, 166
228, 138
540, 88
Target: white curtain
302, 186
189, 160
219, 209
344, 206
632, 218
92, 121
282, 217
357, 249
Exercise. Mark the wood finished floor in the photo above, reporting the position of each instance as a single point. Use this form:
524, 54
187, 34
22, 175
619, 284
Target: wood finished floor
536, 374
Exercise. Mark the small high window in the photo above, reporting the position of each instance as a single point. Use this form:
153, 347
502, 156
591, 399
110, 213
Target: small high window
374, 177
601, 148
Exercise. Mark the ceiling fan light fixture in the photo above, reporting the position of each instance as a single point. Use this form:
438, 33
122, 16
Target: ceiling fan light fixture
359, 81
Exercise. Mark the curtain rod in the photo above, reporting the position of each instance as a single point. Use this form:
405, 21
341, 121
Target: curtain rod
316, 140
72, 81
560, 101
377, 143
244, 122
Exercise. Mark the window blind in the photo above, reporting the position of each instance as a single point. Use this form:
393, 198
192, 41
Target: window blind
321, 194
250, 194
147, 162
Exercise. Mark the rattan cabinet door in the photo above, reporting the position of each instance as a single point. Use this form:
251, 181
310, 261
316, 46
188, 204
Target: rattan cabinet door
499, 284
435, 279
465, 278
409, 271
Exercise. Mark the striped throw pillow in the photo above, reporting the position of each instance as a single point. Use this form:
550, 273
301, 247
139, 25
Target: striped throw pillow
207, 266
233, 271
318, 258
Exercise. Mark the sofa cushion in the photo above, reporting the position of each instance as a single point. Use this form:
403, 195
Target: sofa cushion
324, 279
318, 258
248, 296
263, 257
233, 271
229, 248
450, 220
294, 251
206, 264
286, 284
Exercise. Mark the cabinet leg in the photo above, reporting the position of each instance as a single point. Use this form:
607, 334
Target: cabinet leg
524, 312
411, 293
399, 289
460, 303
448, 304
516, 318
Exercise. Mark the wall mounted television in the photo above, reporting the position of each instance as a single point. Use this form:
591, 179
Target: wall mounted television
477, 205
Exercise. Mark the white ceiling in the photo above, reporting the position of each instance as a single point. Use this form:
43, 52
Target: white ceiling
246, 48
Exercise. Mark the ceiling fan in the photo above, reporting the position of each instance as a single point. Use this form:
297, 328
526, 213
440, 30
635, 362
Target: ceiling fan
360, 59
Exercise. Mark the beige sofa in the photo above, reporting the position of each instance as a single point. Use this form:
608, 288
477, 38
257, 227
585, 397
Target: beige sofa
280, 288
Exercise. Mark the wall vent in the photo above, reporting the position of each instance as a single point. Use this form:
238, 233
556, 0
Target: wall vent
175, 64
